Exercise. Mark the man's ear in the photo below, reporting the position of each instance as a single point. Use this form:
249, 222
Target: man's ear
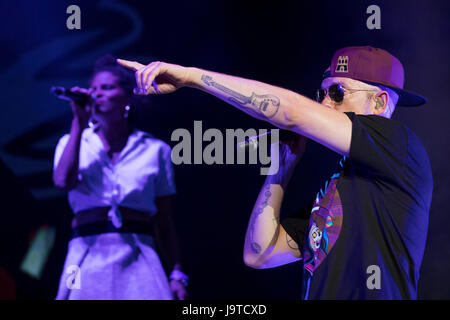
381, 101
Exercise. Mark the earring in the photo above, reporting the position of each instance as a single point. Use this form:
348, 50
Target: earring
93, 124
127, 112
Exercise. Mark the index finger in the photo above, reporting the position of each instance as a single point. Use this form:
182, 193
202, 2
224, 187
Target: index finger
78, 89
133, 65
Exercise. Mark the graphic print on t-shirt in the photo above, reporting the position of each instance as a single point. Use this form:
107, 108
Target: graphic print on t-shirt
324, 226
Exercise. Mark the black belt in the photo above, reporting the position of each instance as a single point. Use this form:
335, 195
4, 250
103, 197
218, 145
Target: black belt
128, 226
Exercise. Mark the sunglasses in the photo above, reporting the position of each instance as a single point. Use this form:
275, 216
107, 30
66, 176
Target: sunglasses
336, 92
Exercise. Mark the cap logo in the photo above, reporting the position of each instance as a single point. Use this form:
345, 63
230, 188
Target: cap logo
342, 65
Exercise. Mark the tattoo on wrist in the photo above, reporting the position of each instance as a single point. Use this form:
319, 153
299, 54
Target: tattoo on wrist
268, 104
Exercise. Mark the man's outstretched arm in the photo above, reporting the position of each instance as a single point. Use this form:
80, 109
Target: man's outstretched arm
280, 107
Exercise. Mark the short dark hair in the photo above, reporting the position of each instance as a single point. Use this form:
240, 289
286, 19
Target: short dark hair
127, 81
126, 78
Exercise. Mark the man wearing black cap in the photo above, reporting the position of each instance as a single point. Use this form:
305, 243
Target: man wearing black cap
363, 236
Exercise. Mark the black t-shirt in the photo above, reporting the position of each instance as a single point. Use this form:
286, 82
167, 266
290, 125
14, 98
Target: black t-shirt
366, 236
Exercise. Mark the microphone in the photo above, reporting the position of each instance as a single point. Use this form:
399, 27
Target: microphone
251, 143
65, 94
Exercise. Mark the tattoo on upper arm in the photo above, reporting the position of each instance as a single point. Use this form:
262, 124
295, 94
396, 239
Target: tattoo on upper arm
256, 248
267, 103
291, 243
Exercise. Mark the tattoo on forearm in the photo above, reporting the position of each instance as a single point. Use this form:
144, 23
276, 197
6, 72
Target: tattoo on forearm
267, 103
291, 243
256, 248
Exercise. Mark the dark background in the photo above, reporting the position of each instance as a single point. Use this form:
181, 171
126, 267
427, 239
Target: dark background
288, 44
